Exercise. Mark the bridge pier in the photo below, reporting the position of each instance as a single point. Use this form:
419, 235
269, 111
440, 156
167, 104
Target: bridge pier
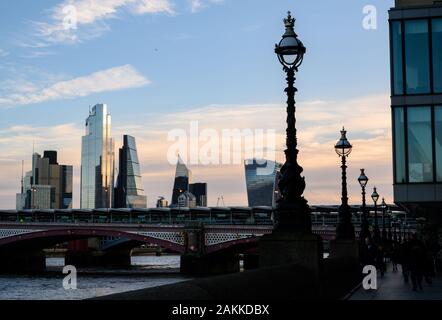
22, 261
250, 261
195, 261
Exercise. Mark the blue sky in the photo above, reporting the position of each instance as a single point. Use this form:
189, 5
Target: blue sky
152, 59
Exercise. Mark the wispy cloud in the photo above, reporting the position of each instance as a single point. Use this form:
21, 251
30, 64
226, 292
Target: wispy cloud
112, 79
197, 5
38, 54
73, 21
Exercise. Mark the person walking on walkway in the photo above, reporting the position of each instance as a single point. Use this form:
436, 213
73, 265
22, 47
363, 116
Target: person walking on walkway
372, 255
417, 260
402, 257
394, 255
382, 266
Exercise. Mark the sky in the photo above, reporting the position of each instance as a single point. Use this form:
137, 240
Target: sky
160, 65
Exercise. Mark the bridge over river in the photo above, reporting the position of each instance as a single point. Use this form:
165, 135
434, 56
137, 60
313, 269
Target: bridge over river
215, 235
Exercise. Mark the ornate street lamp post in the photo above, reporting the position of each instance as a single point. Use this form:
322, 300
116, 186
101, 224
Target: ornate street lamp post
292, 241
395, 238
384, 230
377, 232
365, 230
293, 210
345, 230
390, 235
399, 230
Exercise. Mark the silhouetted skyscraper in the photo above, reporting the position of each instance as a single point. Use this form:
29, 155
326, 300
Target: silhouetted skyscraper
183, 177
262, 179
129, 192
199, 190
97, 160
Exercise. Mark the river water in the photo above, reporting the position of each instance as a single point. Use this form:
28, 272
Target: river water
147, 271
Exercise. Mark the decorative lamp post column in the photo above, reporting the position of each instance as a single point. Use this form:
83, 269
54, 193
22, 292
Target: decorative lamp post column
384, 229
365, 229
345, 229
377, 232
389, 215
395, 238
405, 232
292, 208
400, 231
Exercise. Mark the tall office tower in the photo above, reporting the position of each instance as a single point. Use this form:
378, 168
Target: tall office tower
129, 192
199, 190
48, 185
416, 102
262, 179
183, 176
97, 160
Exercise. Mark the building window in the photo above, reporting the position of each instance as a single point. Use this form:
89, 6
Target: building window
438, 141
399, 143
437, 54
420, 151
417, 60
398, 75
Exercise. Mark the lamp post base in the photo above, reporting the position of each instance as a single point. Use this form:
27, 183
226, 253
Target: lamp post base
292, 248
345, 231
344, 248
294, 217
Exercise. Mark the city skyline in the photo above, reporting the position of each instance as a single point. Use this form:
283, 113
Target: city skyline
358, 93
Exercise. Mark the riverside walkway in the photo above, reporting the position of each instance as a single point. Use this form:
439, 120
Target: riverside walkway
393, 287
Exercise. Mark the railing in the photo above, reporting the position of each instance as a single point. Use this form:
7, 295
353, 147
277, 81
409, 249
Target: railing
230, 216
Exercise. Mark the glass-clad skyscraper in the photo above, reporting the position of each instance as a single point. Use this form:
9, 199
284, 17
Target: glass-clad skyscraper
97, 160
262, 177
129, 192
416, 88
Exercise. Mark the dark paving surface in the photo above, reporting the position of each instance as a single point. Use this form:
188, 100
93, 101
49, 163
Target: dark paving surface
393, 287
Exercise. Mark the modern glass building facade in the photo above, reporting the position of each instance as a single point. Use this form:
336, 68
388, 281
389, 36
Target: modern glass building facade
416, 101
129, 192
262, 179
97, 160
48, 185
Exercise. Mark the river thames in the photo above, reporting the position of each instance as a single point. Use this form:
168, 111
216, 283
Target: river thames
146, 271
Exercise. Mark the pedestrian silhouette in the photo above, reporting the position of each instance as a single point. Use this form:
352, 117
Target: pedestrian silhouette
417, 261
